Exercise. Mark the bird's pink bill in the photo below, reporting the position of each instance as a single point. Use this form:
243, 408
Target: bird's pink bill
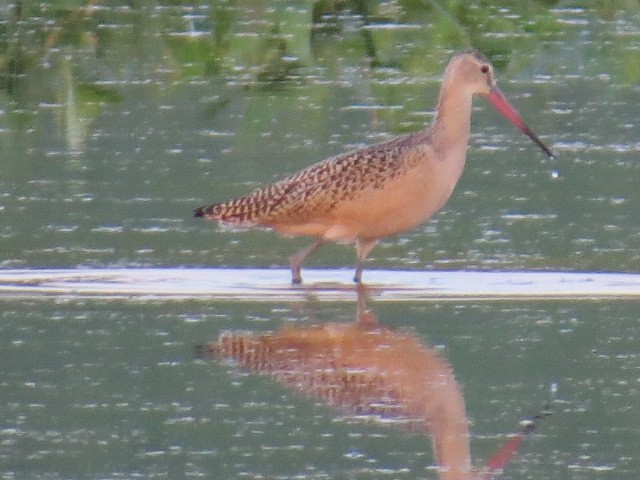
500, 102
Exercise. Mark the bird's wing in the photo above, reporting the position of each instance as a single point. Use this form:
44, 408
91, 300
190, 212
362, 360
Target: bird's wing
317, 189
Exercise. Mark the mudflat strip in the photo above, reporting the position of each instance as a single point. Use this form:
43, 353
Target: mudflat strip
323, 284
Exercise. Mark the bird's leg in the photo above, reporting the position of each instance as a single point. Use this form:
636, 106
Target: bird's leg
296, 261
363, 247
365, 318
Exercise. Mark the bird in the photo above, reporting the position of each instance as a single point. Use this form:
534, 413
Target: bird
364, 368
362, 196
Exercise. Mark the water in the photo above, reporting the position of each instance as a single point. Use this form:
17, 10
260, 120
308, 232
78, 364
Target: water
116, 121
112, 138
111, 390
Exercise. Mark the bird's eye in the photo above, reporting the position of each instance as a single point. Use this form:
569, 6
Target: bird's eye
484, 69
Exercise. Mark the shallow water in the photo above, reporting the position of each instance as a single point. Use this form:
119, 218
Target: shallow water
131, 118
112, 390
116, 121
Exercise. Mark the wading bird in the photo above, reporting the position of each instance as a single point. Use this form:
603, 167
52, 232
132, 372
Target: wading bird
366, 369
365, 195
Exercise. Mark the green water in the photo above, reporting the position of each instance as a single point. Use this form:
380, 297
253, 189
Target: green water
117, 119
112, 390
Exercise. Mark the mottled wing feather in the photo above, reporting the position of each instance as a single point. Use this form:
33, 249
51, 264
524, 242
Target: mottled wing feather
316, 189
319, 188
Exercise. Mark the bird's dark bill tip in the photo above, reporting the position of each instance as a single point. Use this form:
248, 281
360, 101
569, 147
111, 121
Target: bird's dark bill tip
198, 212
539, 142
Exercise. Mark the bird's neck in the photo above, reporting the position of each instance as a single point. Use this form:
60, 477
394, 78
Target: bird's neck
450, 128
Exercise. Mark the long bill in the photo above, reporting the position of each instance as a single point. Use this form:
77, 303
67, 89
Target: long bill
499, 101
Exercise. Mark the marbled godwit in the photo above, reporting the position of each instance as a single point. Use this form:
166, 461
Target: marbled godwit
366, 369
374, 192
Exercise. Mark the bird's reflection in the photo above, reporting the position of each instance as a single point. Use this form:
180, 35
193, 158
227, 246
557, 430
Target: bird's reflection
366, 369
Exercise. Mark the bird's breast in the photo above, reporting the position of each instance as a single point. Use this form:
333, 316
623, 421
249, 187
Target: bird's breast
399, 206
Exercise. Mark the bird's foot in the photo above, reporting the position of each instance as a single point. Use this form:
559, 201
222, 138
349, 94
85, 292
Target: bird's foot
296, 276
357, 278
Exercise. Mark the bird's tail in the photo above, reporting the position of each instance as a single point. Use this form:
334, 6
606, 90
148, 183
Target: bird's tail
210, 212
242, 212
